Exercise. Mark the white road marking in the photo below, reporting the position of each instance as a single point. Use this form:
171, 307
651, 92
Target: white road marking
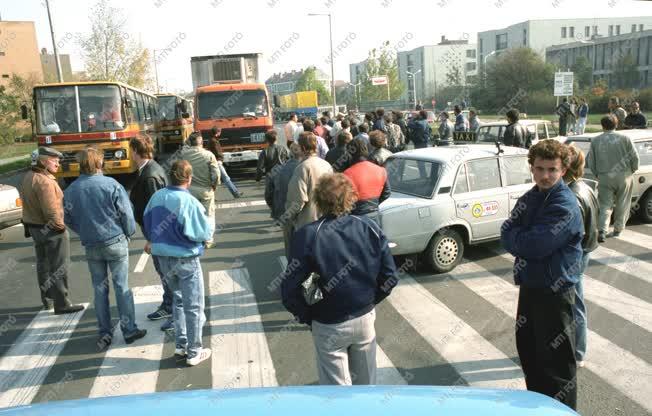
634, 237
241, 204
632, 266
616, 366
25, 366
133, 368
142, 262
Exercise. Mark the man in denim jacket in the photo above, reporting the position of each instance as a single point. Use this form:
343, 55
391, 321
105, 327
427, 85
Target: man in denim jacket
545, 234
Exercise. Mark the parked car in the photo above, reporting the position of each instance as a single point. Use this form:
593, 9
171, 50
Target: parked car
493, 131
11, 206
642, 192
444, 198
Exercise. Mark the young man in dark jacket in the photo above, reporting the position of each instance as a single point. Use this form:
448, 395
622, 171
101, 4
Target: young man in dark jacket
515, 134
151, 178
420, 130
271, 156
544, 233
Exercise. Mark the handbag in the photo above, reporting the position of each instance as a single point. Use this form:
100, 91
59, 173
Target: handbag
311, 291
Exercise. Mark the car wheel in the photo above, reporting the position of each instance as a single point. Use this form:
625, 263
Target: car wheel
645, 207
445, 250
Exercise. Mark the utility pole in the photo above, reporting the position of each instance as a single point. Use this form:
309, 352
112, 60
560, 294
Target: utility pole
155, 71
414, 85
54, 43
330, 32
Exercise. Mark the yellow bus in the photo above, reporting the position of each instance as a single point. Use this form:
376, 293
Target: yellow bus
174, 122
73, 115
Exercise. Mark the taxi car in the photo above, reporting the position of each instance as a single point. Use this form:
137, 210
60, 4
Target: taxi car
493, 131
444, 198
642, 190
11, 206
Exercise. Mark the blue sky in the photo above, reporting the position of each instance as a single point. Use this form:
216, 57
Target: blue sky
206, 27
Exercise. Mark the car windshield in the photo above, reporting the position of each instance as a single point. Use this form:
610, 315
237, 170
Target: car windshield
489, 133
221, 104
413, 177
167, 107
99, 109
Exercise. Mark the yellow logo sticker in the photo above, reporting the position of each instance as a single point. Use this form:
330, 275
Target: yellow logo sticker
485, 209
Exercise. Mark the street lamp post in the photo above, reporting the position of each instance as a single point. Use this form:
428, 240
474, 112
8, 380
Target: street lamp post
330, 32
355, 94
155, 71
414, 85
484, 65
54, 44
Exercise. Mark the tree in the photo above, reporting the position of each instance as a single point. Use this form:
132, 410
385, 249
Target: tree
308, 82
625, 72
583, 72
381, 61
9, 116
454, 75
108, 51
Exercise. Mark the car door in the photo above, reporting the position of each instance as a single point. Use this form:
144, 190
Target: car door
517, 177
483, 201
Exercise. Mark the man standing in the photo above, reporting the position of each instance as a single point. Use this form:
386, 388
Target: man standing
290, 128
583, 114
564, 113
420, 130
474, 121
635, 119
460, 122
151, 178
515, 134
98, 209
446, 128
617, 110
215, 148
613, 160
274, 154
175, 223
544, 233
43, 221
322, 147
300, 208
206, 174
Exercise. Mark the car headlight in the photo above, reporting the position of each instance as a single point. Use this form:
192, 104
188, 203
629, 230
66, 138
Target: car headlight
119, 154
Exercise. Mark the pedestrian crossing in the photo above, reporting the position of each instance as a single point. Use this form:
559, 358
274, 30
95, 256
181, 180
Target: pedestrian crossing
244, 352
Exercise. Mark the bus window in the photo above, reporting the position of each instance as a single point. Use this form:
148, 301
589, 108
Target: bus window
135, 110
100, 108
141, 106
167, 107
56, 110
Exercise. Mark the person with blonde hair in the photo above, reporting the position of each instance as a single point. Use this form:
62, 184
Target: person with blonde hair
356, 271
97, 208
589, 208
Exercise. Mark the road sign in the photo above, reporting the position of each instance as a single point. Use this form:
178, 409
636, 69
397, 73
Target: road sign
563, 84
380, 80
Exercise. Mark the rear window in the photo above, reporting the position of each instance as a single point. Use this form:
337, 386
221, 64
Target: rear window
413, 177
489, 133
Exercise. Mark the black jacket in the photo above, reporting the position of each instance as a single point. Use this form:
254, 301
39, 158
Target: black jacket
515, 135
151, 179
589, 208
339, 158
271, 156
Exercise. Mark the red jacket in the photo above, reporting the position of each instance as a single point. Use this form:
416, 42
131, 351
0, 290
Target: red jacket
371, 183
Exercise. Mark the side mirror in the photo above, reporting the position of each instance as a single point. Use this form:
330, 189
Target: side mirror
24, 113
183, 106
277, 101
185, 115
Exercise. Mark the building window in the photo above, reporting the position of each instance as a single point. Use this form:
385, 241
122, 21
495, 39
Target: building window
470, 66
587, 31
481, 45
410, 61
5, 75
501, 41
640, 28
524, 37
470, 53
571, 32
633, 28
563, 32
617, 29
611, 30
595, 31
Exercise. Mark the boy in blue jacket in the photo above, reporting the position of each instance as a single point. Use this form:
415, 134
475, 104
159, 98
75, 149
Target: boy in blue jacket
544, 233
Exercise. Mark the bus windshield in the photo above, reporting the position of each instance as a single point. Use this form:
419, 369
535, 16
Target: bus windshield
221, 104
167, 107
98, 109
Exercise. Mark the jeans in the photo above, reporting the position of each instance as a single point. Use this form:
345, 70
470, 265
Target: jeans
52, 258
346, 352
581, 125
579, 312
113, 257
227, 181
185, 278
167, 292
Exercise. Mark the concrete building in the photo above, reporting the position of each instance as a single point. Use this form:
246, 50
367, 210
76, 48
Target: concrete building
540, 34
19, 51
438, 64
606, 54
50, 67
286, 82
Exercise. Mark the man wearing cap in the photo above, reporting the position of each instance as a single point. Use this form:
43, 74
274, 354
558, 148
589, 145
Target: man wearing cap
43, 221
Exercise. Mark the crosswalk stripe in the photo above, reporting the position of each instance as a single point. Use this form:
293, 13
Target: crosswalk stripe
241, 204
636, 238
241, 356
632, 266
612, 299
27, 363
142, 262
386, 371
604, 357
475, 359
133, 368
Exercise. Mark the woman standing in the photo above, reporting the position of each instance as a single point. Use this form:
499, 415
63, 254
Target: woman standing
215, 148
352, 257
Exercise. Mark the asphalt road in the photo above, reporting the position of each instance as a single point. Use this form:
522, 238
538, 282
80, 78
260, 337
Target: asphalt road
454, 329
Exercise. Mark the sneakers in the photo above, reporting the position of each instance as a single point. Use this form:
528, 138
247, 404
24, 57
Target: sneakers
580, 363
239, 194
615, 233
601, 237
168, 326
160, 313
104, 342
202, 354
68, 309
136, 335
180, 352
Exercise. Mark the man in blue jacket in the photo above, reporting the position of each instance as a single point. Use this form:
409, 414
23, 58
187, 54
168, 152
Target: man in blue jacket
544, 233
420, 130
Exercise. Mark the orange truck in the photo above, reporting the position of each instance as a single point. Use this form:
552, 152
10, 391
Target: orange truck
229, 95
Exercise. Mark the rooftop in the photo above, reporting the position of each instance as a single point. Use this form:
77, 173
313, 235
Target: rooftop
458, 153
